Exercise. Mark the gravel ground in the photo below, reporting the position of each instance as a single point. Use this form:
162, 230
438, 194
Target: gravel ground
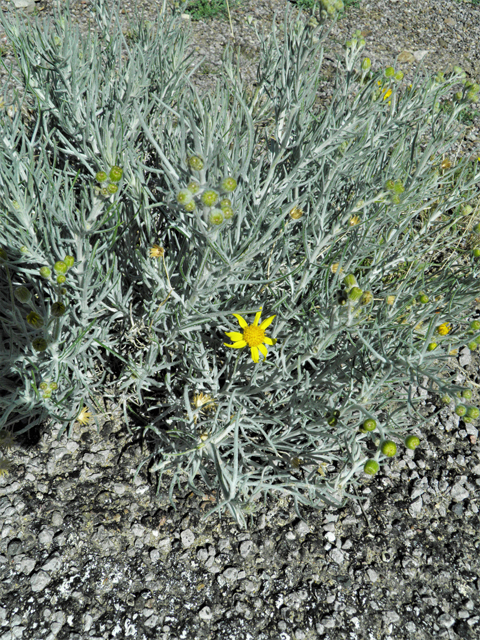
88, 553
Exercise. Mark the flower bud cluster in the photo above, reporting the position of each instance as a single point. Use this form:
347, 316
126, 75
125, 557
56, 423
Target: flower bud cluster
108, 183
216, 207
470, 89
60, 268
387, 448
396, 188
47, 388
330, 8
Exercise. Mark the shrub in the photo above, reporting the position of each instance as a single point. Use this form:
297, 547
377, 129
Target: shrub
207, 292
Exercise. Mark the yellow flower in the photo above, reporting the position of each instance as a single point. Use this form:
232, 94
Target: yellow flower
156, 251
296, 213
444, 328
353, 221
84, 416
253, 336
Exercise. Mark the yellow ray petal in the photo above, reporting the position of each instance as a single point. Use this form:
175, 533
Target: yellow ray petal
271, 341
257, 317
234, 335
263, 349
237, 345
243, 323
254, 354
267, 322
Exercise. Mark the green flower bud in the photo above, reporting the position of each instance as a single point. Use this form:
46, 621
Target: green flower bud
53, 386
225, 203
350, 281
472, 345
389, 448
398, 76
475, 325
47, 394
446, 399
467, 394
60, 267
45, 272
355, 294
184, 196
61, 279
227, 213
476, 253
43, 386
101, 176
58, 309
209, 197
458, 95
412, 442
193, 187
390, 185
105, 193
467, 419
348, 43
22, 294
39, 344
432, 346
389, 72
472, 96
112, 188
398, 187
35, 319
461, 410
396, 199
216, 216
24, 249
467, 210
476, 229
475, 87
229, 184
424, 298
195, 163
473, 412
371, 467
69, 261
369, 424
366, 64
190, 206
459, 71
116, 174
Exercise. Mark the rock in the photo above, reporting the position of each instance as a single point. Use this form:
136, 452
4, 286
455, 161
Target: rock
406, 56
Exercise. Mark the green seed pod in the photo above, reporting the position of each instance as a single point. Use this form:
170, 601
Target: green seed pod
461, 410
112, 188
190, 206
389, 448
60, 267
227, 213
390, 185
184, 196
61, 279
101, 176
69, 261
371, 467
209, 197
216, 216
58, 309
116, 174
412, 442
355, 294
350, 281
467, 394
39, 344
193, 187
475, 325
35, 319
366, 64
229, 185
45, 272
369, 424
22, 294
472, 345
424, 298
195, 163
476, 253
473, 412
389, 72
432, 346
225, 203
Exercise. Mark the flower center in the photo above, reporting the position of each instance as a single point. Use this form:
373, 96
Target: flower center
253, 335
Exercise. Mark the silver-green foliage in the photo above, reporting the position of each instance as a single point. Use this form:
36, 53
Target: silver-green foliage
354, 189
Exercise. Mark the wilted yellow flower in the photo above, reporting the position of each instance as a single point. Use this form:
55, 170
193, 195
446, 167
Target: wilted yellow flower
296, 462
334, 267
4, 466
353, 221
84, 416
35, 319
296, 213
390, 299
156, 251
204, 402
444, 328
253, 336
7, 439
